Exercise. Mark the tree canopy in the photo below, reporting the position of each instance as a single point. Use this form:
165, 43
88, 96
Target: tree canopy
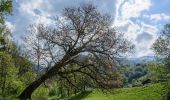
162, 45
81, 33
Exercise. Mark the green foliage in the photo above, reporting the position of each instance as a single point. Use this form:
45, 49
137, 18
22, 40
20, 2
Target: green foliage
167, 62
41, 93
6, 6
53, 92
157, 72
7, 74
28, 77
12, 82
162, 45
54, 89
5, 9
81, 95
15, 70
133, 74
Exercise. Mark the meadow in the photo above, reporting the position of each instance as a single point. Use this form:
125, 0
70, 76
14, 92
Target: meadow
150, 92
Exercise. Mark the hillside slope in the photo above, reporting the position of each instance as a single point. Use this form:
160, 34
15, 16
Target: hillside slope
150, 92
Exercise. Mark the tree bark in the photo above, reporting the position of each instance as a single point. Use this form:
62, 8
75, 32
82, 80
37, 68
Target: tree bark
26, 94
68, 92
3, 86
168, 95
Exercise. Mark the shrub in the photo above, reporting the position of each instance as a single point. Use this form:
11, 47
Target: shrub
40, 94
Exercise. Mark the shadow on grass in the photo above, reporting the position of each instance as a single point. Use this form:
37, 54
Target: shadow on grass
80, 96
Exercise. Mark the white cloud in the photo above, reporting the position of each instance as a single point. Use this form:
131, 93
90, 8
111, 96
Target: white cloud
27, 15
28, 7
143, 36
27, 12
136, 29
155, 17
144, 47
129, 9
149, 28
132, 30
10, 26
158, 17
134, 8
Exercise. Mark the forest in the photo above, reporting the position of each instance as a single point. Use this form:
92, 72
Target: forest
80, 57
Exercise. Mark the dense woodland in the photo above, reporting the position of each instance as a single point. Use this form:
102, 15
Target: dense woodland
82, 53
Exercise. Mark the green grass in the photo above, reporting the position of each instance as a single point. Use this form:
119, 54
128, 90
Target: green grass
151, 92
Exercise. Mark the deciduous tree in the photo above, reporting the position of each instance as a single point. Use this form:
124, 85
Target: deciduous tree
82, 32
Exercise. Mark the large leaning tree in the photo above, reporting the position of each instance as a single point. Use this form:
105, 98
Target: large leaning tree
81, 31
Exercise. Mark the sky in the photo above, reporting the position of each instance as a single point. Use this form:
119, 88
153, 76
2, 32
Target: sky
140, 20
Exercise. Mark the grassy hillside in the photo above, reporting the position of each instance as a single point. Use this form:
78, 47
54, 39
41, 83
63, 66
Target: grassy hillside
150, 92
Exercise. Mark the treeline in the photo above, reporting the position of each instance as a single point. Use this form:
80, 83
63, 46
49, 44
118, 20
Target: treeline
15, 68
135, 74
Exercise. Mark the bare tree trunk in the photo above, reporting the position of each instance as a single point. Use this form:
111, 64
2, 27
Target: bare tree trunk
168, 96
38, 56
3, 86
26, 94
68, 91
3, 81
61, 92
75, 91
84, 87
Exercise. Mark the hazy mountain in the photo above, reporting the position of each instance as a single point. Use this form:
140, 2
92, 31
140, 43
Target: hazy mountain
138, 60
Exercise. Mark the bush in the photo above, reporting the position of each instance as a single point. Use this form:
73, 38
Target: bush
40, 94
53, 92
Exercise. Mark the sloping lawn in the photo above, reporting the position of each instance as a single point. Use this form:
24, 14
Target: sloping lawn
151, 92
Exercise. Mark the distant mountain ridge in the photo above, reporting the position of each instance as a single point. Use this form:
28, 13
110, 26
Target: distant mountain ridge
136, 60
123, 61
